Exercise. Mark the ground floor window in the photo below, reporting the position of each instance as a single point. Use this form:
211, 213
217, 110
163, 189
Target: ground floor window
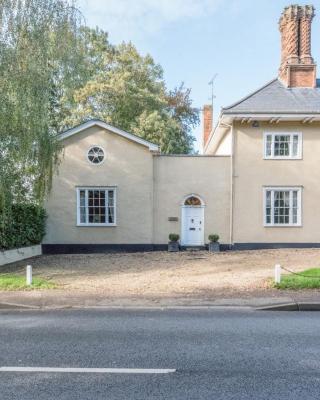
96, 206
282, 206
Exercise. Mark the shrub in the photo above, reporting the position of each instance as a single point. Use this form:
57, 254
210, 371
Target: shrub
174, 237
214, 237
23, 225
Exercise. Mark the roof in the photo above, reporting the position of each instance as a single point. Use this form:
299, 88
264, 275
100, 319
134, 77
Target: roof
274, 97
117, 131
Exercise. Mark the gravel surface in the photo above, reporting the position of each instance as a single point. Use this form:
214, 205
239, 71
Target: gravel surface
164, 275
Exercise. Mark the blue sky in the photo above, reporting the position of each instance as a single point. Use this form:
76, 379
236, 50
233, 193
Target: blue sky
195, 39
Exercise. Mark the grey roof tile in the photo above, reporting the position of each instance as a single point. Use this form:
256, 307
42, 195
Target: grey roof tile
274, 97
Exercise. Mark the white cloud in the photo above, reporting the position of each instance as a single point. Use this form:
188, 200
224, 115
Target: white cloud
126, 19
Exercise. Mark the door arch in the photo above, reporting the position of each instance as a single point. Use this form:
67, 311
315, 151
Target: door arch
192, 221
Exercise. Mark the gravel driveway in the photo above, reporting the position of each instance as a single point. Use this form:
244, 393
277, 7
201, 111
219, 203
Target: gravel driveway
164, 275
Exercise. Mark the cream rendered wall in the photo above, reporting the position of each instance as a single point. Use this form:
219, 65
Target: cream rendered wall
178, 176
128, 166
224, 148
252, 172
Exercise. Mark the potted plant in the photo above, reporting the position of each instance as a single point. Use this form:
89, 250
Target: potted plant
173, 244
214, 245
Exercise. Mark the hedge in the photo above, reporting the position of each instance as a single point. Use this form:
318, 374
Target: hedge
23, 225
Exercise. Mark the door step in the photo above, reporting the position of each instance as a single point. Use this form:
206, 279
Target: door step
193, 248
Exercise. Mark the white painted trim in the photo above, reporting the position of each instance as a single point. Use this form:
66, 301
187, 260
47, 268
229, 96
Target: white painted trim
87, 224
299, 199
104, 125
291, 134
90, 370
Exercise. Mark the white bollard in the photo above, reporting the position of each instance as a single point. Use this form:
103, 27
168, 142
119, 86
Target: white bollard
29, 275
277, 273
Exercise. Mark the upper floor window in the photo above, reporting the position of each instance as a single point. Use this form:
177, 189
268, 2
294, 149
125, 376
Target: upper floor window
96, 206
283, 145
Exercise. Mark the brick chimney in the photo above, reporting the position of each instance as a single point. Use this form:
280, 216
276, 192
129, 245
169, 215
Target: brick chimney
297, 67
207, 123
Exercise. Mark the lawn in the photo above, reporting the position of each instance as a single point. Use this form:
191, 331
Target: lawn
15, 282
309, 280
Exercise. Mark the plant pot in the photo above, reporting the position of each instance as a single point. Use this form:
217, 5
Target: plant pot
173, 246
214, 247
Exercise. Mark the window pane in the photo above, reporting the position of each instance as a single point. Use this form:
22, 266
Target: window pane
295, 145
282, 145
111, 215
96, 207
82, 215
268, 145
111, 198
295, 198
295, 207
268, 206
82, 198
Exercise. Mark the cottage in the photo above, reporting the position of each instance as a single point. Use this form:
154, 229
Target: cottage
256, 184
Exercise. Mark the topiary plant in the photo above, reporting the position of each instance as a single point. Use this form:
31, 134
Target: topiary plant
214, 237
174, 237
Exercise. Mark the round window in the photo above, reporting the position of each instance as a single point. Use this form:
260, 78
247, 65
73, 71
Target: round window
96, 155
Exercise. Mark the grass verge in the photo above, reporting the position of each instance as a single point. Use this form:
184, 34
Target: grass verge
310, 280
15, 282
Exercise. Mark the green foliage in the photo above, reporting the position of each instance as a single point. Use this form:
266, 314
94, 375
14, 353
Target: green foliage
309, 280
23, 225
214, 237
174, 237
40, 63
15, 282
127, 90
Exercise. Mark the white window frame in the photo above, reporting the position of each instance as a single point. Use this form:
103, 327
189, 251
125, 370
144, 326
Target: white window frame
290, 157
104, 155
106, 188
299, 206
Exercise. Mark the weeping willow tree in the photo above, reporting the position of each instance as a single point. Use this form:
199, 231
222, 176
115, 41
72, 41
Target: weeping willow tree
40, 63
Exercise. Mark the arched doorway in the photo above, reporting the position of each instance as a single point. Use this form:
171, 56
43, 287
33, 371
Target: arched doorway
192, 221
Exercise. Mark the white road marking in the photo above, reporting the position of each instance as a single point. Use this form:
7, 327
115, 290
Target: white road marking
89, 370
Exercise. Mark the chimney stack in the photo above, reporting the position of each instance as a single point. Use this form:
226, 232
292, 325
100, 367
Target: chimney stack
207, 122
297, 67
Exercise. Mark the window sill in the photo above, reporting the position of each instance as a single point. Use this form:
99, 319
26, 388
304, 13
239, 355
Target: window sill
96, 225
283, 158
282, 226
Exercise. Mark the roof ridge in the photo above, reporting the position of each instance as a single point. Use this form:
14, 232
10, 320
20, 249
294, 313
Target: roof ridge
250, 94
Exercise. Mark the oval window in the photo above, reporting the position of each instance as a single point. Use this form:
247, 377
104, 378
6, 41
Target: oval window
96, 155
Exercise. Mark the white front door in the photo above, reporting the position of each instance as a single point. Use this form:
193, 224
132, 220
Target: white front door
192, 226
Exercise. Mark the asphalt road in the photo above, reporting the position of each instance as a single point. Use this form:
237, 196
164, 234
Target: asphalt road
217, 354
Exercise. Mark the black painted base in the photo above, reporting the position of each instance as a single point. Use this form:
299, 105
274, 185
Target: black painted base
260, 246
133, 248
100, 248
